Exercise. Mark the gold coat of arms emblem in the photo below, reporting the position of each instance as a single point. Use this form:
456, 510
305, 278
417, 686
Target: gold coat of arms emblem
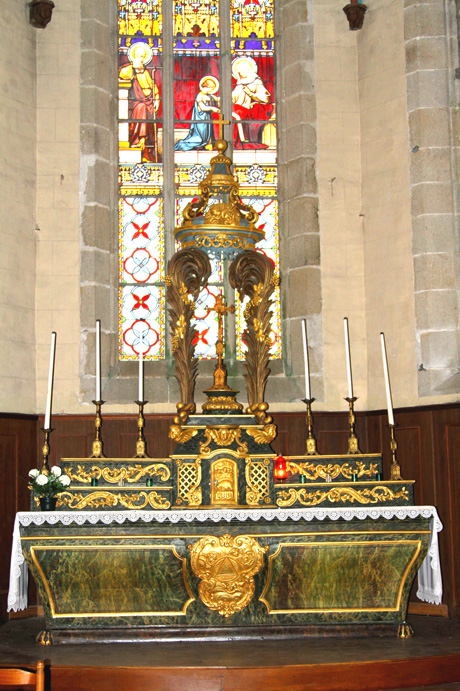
226, 565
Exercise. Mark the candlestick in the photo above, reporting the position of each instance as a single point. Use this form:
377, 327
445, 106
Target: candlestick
305, 360
45, 470
386, 374
353, 445
348, 358
97, 443
311, 441
141, 451
49, 396
395, 473
98, 360
141, 368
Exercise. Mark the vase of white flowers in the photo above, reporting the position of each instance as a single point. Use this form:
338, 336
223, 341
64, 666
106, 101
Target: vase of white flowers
48, 486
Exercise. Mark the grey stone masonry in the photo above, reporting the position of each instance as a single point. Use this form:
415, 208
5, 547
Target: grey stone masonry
431, 47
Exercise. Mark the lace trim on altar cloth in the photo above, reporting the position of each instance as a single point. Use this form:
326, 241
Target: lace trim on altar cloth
429, 575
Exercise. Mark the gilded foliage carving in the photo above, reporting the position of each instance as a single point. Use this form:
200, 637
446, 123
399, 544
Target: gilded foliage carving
131, 473
188, 273
315, 471
288, 497
100, 499
252, 274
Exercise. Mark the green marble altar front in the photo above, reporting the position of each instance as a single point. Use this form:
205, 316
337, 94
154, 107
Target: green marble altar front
308, 573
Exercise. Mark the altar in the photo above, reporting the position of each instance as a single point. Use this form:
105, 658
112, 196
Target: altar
221, 540
225, 574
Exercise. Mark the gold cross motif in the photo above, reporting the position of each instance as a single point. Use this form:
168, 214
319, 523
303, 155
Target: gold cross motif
221, 122
220, 371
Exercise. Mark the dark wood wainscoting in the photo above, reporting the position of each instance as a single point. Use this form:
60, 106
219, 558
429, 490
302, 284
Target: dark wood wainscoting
428, 451
18, 451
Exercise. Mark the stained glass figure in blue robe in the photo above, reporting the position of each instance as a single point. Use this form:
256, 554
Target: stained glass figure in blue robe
206, 103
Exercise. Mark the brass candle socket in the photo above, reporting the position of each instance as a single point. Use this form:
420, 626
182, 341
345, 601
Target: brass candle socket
311, 441
97, 443
395, 467
141, 451
45, 469
353, 445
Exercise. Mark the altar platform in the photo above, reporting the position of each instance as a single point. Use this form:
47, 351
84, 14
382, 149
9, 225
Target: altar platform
431, 659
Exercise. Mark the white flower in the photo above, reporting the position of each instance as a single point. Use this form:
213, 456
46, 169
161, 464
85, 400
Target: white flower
34, 473
42, 480
57, 472
65, 480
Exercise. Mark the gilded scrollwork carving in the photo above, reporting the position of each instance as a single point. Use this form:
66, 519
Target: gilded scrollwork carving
222, 436
131, 473
188, 273
182, 434
315, 471
288, 497
102, 499
226, 566
263, 436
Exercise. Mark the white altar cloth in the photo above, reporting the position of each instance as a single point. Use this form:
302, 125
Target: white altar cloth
429, 575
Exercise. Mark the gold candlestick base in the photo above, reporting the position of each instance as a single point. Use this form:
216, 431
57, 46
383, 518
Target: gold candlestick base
97, 443
141, 449
353, 445
45, 469
311, 441
395, 467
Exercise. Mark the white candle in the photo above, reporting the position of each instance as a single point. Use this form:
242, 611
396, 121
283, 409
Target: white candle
141, 369
347, 354
305, 360
386, 374
49, 396
98, 360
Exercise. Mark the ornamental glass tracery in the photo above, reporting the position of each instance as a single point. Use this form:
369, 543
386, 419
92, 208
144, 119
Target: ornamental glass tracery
198, 31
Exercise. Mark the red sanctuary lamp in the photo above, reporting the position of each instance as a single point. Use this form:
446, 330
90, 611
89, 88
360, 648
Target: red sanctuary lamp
280, 469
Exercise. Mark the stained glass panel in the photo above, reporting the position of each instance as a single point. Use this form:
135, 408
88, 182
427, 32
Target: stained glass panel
139, 100
141, 240
139, 17
196, 18
252, 18
142, 319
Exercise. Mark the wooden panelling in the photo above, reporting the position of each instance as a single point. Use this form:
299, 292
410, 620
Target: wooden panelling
428, 451
18, 453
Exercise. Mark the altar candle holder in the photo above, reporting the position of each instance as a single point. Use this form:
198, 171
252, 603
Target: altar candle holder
97, 443
141, 451
45, 469
353, 445
311, 441
395, 467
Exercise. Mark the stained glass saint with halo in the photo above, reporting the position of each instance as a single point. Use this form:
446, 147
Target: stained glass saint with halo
194, 74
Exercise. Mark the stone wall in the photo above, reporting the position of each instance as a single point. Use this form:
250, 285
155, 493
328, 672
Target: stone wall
18, 229
386, 212
431, 46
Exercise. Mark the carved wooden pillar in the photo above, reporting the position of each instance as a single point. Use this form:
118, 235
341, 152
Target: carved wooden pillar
188, 273
252, 274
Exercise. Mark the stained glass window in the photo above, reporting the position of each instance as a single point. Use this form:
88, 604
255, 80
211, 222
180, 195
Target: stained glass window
222, 58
